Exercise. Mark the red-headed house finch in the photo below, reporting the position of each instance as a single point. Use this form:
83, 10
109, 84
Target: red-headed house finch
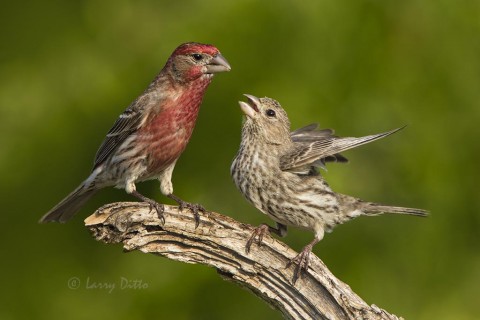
150, 135
276, 171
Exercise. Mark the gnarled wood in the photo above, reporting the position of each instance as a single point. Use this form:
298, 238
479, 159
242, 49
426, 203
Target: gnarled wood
219, 241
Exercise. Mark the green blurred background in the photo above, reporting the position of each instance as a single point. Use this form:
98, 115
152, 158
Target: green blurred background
69, 68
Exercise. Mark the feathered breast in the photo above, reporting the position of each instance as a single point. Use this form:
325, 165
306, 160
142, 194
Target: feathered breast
168, 131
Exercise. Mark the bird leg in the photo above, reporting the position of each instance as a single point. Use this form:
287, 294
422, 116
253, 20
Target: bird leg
160, 208
194, 207
263, 229
302, 260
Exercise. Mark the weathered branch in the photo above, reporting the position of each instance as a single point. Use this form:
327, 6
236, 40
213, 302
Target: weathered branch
219, 241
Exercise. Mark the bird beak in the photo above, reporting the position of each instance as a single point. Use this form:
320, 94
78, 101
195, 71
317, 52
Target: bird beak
218, 64
250, 108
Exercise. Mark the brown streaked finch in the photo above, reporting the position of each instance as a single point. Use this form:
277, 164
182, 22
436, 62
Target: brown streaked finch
151, 134
276, 171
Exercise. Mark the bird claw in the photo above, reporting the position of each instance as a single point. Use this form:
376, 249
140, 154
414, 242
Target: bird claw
159, 208
258, 233
301, 260
194, 207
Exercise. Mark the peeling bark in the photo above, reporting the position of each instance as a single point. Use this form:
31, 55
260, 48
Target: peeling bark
219, 242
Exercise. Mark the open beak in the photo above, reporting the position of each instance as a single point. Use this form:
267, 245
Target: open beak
218, 64
250, 108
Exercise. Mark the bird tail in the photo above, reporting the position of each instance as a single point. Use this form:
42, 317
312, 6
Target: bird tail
374, 209
67, 208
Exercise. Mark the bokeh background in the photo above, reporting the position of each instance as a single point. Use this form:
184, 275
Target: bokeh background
69, 68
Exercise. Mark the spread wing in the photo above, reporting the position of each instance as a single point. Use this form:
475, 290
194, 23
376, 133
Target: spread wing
126, 124
312, 133
308, 151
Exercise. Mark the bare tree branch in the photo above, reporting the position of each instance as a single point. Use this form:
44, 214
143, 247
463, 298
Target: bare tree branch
219, 241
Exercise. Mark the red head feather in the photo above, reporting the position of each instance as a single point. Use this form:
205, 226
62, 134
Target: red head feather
194, 47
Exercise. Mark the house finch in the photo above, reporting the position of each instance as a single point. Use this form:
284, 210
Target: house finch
276, 171
150, 135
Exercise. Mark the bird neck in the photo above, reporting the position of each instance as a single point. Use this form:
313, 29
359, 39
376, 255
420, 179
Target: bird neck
259, 150
186, 97
255, 133
192, 92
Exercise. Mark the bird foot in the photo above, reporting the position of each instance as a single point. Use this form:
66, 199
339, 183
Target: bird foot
258, 234
160, 208
154, 205
301, 260
194, 208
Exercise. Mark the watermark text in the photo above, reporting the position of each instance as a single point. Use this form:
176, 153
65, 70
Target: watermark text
122, 283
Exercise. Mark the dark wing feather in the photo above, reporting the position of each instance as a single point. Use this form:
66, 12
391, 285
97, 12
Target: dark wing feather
126, 124
312, 133
310, 153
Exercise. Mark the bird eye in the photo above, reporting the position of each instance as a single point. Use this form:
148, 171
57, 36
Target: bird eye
270, 113
197, 56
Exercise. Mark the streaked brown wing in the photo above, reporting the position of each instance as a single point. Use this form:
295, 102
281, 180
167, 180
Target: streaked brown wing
309, 153
126, 124
311, 133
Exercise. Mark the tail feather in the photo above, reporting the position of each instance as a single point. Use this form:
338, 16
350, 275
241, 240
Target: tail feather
373, 209
67, 208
